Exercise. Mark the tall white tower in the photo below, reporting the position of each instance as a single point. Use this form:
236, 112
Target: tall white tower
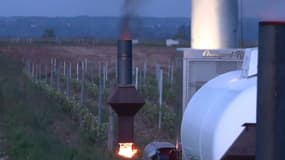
214, 24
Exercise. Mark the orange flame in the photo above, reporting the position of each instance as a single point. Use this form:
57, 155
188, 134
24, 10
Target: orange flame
126, 35
127, 150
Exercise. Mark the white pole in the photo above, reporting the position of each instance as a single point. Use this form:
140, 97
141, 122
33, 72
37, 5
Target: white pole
160, 97
104, 77
33, 70
107, 70
144, 70
58, 77
46, 73
77, 71
55, 68
86, 65
171, 74
99, 70
54, 72
64, 70
67, 84
40, 72
82, 98
36, 74
168, 73
70, 70
101, 89
26, 66
160, 87
137, 77
68, 75
51, 72
91, 73
140, 78
116, 70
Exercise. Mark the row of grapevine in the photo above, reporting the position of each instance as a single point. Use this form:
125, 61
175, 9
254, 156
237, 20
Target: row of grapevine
83, 88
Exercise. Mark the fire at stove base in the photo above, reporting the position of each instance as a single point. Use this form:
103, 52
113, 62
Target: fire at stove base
127, 150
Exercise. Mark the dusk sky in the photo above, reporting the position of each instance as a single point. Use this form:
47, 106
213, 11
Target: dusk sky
154, 8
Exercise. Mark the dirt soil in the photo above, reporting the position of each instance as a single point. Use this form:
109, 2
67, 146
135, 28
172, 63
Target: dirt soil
101, 53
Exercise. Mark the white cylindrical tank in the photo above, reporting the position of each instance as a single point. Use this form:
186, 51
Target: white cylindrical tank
214, 24
214, 116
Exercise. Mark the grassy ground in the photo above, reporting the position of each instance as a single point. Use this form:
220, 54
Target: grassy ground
37, 127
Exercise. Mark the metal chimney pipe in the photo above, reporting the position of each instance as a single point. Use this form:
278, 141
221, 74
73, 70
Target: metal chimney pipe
270, 142
124, 62
125, 100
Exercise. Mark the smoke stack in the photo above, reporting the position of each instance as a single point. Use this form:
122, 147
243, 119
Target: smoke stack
124, 62
271, 92
214, 24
